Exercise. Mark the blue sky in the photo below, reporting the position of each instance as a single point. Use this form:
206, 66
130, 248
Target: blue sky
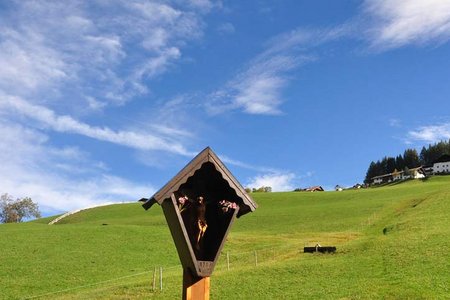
105, 101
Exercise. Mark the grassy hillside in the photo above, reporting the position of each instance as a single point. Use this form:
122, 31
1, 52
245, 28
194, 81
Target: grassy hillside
392, 244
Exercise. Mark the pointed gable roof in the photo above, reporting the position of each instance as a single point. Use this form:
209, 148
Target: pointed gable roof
246, 204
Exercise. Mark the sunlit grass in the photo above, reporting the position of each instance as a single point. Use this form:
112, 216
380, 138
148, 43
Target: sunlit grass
392, 244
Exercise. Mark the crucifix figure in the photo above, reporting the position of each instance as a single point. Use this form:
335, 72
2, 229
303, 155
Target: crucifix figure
200, 209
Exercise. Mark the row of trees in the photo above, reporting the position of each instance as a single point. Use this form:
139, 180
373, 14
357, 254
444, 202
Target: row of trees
263, 189
410, 159
433, 152
15, 211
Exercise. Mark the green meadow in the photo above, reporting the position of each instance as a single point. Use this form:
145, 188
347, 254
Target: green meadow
392, 243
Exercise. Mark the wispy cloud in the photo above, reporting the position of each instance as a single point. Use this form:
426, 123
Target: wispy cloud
59, 179
431, 133
98, 50
300, 40
258, 87
256, 90
396, 23
205, 5
247, 166
226, 28
67, 124
395, 122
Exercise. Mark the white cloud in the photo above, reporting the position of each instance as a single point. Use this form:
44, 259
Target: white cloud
431, 133
395, 122
94, 104
277, 181
133, 139
401, 22
92, 54
25, 65
226, 28
301, 39
205, 5
103, 50
31, 167
258, 88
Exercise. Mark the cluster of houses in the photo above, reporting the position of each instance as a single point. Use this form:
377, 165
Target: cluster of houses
338, 188
440, 166
357, 186
316, 188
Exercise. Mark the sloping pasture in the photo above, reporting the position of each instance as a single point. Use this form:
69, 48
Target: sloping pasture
392, 244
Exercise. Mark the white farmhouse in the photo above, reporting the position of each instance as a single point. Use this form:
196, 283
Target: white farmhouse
397, 175
417, 173
382, 179
442, 165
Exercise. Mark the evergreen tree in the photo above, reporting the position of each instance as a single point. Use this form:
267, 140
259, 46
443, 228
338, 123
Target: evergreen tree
371, 172
383, 166
390, 165
379, 168
399, 162
433, 152
411, 158
424, 156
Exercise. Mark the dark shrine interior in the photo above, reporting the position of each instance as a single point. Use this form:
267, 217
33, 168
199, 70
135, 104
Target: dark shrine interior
208, 183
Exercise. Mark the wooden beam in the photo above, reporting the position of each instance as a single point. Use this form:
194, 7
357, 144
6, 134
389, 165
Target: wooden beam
194, 287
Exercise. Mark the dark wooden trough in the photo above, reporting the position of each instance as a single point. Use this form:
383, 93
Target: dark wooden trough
321, 249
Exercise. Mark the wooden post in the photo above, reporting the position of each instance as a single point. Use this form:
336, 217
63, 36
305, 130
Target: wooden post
195, 288
154, 280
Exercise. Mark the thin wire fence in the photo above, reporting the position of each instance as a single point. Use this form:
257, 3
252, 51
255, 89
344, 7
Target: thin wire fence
160, 278
157, 277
